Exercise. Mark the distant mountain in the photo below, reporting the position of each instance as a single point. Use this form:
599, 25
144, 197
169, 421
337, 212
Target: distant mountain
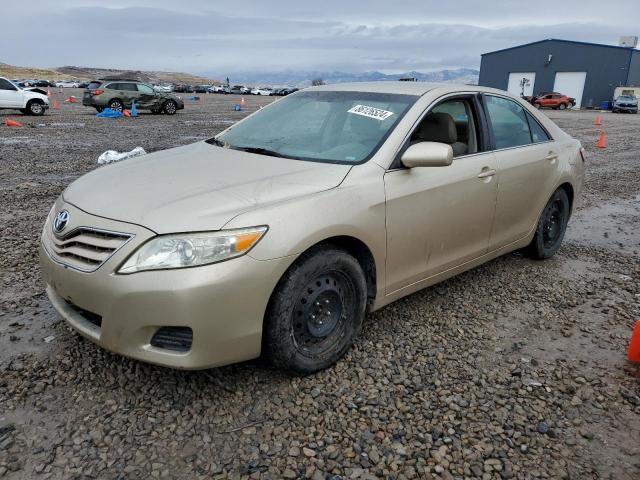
304, 78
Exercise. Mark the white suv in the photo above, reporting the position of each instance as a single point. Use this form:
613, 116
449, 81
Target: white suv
28, 101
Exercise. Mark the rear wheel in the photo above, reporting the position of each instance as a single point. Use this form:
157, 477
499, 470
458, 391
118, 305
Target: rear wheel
35, 107
116, 105
562, 106
170, 107
316, 311
99, 109
552, 226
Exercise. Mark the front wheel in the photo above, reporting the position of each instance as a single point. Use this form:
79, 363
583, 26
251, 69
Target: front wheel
562, 106
551, 228
170, 107
538, 106
315, 312
35, 107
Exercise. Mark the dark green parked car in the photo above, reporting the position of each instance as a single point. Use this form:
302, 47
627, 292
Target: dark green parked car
120, 94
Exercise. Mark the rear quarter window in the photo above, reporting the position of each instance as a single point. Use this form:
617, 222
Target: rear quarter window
94, 85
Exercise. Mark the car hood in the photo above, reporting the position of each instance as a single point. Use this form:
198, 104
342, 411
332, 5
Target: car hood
196, 187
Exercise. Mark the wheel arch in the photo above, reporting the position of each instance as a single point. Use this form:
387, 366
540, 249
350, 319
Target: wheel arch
569, 190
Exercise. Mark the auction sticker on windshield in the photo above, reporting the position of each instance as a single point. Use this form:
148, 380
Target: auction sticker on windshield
370, 112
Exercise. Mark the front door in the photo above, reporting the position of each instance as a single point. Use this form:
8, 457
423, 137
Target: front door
441, 217
146, 96
10, 96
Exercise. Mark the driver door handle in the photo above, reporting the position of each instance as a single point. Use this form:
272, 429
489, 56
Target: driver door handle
551, 157
486, 173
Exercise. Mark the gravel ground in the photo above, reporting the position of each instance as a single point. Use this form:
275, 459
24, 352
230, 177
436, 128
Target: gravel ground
513, 370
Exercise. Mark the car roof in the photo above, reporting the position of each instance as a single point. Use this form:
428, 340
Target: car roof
407, 88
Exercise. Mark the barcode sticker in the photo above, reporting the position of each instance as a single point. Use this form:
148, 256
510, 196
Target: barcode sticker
370, 112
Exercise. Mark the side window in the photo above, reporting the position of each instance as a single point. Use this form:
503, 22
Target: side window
146, 89
452, 122
6, 85
113, 86
508, 122
129, 87
538, 134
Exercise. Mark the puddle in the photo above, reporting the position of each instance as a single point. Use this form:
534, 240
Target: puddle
15, 140
611, 225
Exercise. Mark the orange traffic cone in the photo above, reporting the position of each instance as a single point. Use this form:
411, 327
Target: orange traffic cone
597, 121
56, 104
49, 93
633, 354
70, 99
602, 140
126, 113
12, 123
243, 103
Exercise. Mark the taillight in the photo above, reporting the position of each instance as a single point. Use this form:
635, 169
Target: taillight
582, 153
97, 92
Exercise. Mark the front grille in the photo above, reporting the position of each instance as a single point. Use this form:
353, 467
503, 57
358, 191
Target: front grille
85, 248
90, 317
178, 339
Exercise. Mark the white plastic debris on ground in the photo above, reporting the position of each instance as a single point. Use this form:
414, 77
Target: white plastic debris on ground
111, 156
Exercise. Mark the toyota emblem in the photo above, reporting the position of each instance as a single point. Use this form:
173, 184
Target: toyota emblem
60, 221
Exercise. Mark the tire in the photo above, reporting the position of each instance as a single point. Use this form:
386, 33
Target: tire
562, 106
170, 107
315, 312
537, 105
551, 228
35, 107
99, 109
116, 105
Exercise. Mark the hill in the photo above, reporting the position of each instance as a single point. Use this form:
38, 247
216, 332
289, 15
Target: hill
90, 73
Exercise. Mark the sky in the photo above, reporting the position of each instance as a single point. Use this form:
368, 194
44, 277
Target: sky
219, 38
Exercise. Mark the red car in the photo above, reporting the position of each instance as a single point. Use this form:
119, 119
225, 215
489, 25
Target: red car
553, 100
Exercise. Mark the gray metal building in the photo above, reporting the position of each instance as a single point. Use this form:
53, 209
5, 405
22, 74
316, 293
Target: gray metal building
589, 72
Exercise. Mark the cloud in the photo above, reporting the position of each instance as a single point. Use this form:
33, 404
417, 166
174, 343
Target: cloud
278, 35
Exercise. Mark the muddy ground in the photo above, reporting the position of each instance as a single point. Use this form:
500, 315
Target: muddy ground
515, 369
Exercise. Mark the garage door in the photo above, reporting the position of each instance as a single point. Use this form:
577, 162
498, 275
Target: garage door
515, 83
571, 84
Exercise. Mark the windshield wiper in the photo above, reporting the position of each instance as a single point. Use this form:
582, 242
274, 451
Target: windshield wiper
215, 141
260, 151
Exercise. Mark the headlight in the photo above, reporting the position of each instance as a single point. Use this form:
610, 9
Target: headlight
192, 249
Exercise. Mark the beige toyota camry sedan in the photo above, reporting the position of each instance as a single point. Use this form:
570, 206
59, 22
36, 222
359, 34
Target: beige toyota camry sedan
278, 235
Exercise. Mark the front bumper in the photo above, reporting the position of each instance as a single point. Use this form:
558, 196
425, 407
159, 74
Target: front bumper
619, 108
224, 304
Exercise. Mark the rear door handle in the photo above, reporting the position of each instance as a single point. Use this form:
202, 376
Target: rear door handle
551, 157
486, 173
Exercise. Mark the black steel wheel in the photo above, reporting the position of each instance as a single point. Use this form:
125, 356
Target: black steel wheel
552, 226
316, 311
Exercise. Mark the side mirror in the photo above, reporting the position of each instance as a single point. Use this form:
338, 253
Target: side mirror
427, 154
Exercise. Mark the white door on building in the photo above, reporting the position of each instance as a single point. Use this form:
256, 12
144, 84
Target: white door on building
518, 80
571, 84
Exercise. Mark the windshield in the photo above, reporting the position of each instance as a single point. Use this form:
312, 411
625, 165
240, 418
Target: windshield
323, 126
626, 98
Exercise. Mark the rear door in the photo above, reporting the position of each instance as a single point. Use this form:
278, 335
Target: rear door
528, 170
10, 96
